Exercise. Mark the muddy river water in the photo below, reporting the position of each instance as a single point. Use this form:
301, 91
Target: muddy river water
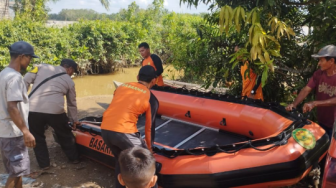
92, 85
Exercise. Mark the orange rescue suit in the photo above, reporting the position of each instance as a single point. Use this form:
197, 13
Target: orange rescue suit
130, 100
250, 82
149, 61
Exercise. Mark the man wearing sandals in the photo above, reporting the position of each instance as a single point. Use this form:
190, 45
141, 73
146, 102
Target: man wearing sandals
14, 108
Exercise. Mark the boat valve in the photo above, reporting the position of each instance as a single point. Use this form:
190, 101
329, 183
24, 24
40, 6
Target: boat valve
223, 122
188, 114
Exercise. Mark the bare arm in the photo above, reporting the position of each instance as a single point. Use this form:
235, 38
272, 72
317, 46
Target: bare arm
329, 102
310, 105
16, 117
148, 128
72, 105
29, 78
302, 95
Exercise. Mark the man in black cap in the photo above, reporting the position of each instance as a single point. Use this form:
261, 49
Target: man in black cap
14, 108
119, 126
324, 84
46, 107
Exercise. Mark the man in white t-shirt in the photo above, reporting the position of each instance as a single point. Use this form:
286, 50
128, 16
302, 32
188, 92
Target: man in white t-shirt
14, 108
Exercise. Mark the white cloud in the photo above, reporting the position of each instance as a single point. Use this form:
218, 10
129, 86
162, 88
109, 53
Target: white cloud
116, 5
144, 1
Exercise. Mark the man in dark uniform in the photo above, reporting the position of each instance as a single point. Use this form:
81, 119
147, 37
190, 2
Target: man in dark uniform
47, 108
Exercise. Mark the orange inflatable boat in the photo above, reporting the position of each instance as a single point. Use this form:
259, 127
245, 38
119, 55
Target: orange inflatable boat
211, 140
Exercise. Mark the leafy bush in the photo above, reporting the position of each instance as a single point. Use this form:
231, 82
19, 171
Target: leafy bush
105, 44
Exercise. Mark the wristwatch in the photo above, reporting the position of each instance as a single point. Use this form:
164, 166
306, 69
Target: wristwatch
252, 92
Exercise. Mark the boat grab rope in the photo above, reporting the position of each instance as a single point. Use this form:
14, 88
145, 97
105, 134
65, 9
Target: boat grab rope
272, 142
258, 145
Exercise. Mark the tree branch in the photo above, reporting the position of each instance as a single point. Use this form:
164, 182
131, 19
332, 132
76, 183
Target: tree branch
304, 3
291, 70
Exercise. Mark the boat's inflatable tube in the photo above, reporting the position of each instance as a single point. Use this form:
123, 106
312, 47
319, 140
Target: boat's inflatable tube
271, 157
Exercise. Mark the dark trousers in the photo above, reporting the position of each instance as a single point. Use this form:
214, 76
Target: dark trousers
328, 131
323, 161
59, 122
118, 142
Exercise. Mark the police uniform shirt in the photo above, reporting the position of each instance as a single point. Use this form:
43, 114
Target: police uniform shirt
49, 97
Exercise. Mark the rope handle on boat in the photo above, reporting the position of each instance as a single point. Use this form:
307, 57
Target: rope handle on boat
266, 149
81, 129
91, 133
230, 152
303, 116
279, 140
174, 155
191, 153
283, 137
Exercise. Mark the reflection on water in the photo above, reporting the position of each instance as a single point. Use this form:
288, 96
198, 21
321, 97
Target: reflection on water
103, 84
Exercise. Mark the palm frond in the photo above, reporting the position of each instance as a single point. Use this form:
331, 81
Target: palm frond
105, 3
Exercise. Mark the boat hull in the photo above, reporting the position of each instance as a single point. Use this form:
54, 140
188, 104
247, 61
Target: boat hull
246, 168
260, 152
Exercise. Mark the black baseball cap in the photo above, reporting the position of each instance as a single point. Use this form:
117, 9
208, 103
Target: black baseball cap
70, 63
148, 72
22, 47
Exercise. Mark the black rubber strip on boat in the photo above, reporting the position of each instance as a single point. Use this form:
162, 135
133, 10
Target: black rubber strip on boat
250, 176
278, 140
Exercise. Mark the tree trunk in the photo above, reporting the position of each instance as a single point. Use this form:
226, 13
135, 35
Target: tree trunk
4, 9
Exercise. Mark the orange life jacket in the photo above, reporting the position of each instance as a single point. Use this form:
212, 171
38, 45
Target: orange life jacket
249, 82
149, 61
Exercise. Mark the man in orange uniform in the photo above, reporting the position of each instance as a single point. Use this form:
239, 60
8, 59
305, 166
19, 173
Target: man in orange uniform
119, 126
251, 85
152, 60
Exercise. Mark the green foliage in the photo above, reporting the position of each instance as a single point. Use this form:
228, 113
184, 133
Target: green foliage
322, 18
77, 14
105, 43
48, 42
34, 10
289, 56
191, 44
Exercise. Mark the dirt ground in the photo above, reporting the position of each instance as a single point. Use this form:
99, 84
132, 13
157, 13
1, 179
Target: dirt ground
87, 174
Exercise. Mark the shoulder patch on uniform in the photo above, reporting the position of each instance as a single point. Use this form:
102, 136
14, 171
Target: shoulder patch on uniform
35, 70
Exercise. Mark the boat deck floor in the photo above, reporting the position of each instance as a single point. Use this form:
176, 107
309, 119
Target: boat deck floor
184, 135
